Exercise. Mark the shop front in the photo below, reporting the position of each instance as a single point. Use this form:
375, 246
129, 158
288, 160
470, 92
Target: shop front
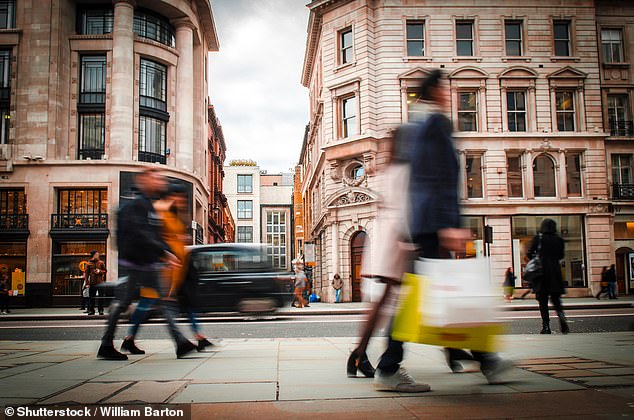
14, 232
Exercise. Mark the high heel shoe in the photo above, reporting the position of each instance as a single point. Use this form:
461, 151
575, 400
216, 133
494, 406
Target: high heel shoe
359, 363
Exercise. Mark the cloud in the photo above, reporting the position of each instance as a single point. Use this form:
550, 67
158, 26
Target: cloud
254, 80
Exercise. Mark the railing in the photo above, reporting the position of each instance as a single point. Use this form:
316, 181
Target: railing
14, 221
150, 102
92, 98
200, 235
94, 154
79, 221
621, 128
623, 191
152, 157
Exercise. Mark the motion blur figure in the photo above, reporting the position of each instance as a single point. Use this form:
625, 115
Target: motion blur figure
142, 253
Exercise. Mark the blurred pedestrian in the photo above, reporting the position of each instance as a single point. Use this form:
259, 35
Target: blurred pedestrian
610, 276
603, 284
142, 253
4, 293
94, 275
301, 283
509, 284
549, 246
337, 284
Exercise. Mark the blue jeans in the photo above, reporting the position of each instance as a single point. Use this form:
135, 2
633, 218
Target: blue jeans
337, 295
612, 290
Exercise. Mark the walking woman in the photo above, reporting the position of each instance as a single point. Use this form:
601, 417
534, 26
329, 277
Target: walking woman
509, 284
549, 246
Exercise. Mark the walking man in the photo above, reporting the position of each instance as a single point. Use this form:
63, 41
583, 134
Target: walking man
142, 253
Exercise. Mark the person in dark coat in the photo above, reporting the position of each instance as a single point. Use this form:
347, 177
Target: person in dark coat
610, 277
603, 284
551, 283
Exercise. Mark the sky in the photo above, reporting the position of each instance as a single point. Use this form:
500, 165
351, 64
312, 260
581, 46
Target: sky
254, 80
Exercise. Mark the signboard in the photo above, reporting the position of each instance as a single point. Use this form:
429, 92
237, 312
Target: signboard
18, 282
309, 254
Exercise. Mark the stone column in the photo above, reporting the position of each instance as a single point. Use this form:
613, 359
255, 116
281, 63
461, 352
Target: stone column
185, 94
122, 85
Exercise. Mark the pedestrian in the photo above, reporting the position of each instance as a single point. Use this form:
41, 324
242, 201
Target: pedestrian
610, 276
174, 231
4, 293
603, 284
509, 284
549, 246
337, 284
94, 275
142, 253
301, 284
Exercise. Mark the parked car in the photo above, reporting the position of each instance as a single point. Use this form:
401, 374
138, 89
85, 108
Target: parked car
236, 277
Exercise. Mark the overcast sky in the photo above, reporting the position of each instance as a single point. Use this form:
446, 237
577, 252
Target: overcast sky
254, 79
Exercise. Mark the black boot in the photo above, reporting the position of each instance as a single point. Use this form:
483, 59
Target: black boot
545, 328
563, 323
184, 348
108, 352
359, 363
202, 343
129, 346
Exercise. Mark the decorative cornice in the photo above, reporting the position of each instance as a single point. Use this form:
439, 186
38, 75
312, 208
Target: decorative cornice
130, 2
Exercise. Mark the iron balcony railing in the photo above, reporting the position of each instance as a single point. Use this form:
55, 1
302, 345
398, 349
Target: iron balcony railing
14, 221
623, 191
79, 221
152, 157
622, 128
150, 102
94, 154
96, 98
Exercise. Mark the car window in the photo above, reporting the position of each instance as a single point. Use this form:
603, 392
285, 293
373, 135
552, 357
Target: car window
229, 260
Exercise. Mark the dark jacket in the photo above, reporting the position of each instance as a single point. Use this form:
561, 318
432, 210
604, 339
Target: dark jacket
93, 278
139, 236
433, 189
610, 275
552, 251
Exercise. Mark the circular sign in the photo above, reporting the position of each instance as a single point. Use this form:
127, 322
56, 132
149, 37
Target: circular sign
83, 265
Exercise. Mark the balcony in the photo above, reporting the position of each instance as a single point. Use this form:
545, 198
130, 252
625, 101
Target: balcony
14, 221
152, 157
622, 128
92, 98
66, 221
94, 154
623, 191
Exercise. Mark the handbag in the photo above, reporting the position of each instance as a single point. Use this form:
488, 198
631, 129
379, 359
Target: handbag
534, 268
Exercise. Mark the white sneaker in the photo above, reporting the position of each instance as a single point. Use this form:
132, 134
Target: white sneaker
401, 381
4, 312
495, 374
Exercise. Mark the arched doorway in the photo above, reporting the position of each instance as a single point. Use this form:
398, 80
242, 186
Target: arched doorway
356, 253
624, 269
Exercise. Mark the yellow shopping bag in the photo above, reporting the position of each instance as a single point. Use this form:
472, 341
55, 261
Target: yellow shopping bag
410, 323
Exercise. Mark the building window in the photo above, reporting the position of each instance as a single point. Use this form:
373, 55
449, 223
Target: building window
561, 38
349, 116
7, 14
356, 172
245, 234
245, 183
474, 176
464, 37
152, 140
155, 27
619, 116
93, 79
516, 110
544, 176
612, 44
565, 108
152, 85
5, 69
345, 46
415, 38
68, 259
276, 237
245, 209
96, 21
91, 136
468, 111
82, 201
513, 35
573, 174
5, 95
13, 209
622, 169
514, 176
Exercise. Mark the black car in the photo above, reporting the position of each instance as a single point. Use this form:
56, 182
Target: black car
235, 277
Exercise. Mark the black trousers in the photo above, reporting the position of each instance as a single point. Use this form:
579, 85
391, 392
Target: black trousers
4, 302
542, 298
92, 296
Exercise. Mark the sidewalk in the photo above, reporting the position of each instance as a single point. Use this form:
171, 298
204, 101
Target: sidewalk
347, 308
576, 375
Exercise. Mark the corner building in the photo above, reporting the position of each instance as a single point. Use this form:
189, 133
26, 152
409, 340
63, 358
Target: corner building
526, 109
91, 93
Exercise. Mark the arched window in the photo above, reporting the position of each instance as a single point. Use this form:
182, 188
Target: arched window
544, 176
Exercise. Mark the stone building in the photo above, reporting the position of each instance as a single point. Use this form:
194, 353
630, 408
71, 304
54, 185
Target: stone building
242, 188
93, 92
526, 105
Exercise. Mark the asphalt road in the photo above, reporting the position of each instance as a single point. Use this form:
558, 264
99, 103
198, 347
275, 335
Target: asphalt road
528, 322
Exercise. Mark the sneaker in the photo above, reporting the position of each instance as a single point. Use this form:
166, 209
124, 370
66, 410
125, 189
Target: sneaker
184, 348
129, 346
401, 381
3, 312
108, 352
495, 372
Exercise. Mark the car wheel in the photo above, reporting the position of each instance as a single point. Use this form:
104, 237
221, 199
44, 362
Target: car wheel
262, 305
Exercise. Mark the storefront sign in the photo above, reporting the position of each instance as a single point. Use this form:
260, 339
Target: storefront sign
309, 256
18, 282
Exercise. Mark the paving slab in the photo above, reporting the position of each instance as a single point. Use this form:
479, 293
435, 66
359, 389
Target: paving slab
87, 393
22, 369
147, 391
604, 381
202, 393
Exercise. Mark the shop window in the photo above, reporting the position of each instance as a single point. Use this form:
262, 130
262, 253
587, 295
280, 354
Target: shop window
544, 176
69, 263
475, 246
12, 258
624, 230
